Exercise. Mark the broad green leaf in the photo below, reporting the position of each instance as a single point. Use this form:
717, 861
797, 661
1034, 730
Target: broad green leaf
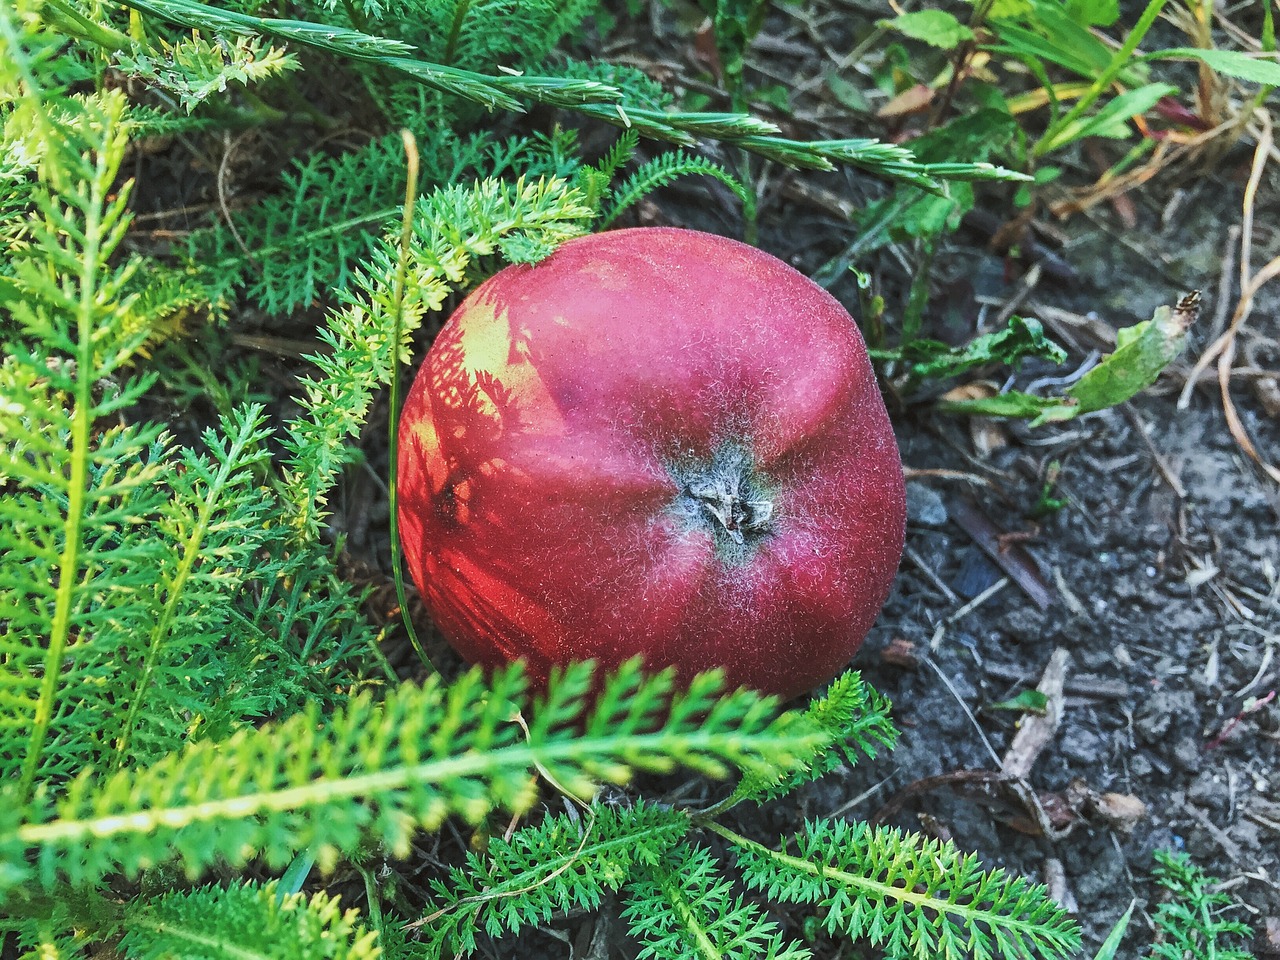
1113, 119
1093, 13
1142, 351
935, 27
1028, 701
1007, 9
1231, 63
1011, 404
847, 93
1048, 33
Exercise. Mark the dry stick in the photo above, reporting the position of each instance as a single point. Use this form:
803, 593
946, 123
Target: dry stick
1224, 281
1224, 348
1036, 730
930, 575
230, 148
965, 707
1162, 465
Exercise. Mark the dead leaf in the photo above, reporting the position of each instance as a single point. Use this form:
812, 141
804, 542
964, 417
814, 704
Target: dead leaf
910, 101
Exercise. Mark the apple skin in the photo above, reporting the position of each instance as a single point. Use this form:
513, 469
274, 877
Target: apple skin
656, 441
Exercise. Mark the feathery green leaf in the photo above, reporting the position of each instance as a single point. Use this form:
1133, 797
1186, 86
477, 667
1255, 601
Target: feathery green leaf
385, 769
565, 862
246, 922
911, 896
683, 908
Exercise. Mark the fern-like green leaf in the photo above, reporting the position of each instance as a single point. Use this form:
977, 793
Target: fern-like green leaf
660, 171
195, 68
72, 487
683, 908
1191, 922
245, 922
453, 229
384, 769
856, 720
303, 244
213, 524
913, 897
563, 863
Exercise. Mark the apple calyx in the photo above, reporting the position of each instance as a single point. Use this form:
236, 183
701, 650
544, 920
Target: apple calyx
726, 497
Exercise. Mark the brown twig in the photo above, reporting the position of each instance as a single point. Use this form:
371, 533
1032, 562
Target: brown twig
1223, 349
1036, 730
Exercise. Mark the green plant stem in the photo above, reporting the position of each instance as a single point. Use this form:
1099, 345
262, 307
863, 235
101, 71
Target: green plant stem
913, 315
455, 29
393, 433
81, 431
1053, 136
73, 22
371, 898
678, 898
588, 97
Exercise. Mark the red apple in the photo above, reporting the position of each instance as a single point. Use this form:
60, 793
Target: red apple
658, 442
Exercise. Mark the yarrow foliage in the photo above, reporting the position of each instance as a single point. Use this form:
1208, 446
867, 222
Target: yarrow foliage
188, 685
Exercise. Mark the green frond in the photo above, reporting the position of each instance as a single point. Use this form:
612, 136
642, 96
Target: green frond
299, 245
326, 780
164, 303
660, 171
637, 88
1190, 923
913, 897
303, 244
196, 68
595, 179
588, 97
301, 638
563, 863
212, 527
148, 121
453, 229
855, 718
76, 487
246, 922
461, 33
683, 908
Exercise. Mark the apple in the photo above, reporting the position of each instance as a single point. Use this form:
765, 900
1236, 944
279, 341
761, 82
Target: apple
659, 442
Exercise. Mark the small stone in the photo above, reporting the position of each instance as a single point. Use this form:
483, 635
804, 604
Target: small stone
1155, 717
1206, 791
1024, 623
1186, 754
1267, 944
925, 506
